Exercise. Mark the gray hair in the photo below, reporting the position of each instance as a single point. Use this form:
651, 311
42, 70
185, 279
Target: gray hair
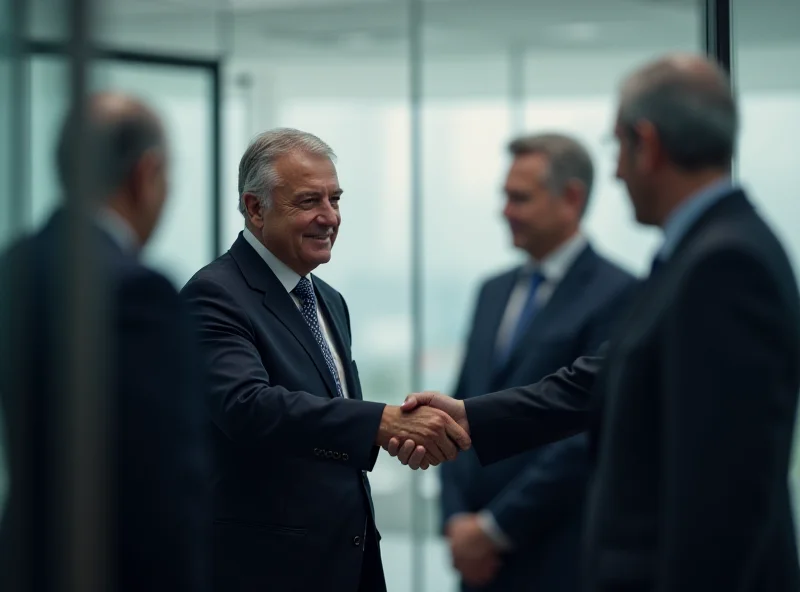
568, 160
257, 168
117, 130
688, 99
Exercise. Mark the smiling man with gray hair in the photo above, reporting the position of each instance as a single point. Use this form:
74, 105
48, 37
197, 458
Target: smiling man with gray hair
292, 436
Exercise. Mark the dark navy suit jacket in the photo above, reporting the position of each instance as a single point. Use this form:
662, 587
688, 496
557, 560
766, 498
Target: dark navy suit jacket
691, 412
536, 498
160, 529
292, 505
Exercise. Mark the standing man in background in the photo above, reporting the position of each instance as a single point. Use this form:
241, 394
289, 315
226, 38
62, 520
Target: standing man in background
292, 437
516, 525
160, 506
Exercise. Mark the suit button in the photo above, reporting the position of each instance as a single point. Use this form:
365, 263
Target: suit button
345, 456
356, 541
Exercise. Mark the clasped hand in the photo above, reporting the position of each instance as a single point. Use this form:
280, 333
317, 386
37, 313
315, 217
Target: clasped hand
426, 430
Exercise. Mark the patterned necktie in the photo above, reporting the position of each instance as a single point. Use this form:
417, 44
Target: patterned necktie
528, 311
308, 308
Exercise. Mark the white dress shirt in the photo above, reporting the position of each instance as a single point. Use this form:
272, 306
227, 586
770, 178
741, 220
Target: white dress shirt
553, 267
116, 227
289, 279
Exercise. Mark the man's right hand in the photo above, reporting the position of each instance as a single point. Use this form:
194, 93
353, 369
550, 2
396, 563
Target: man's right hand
435, 437
413, 453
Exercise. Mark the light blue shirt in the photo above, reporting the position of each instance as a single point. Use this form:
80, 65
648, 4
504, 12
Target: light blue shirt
684, 217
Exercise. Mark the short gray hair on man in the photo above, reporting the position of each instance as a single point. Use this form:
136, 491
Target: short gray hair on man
568, 160
689, 100
257, 168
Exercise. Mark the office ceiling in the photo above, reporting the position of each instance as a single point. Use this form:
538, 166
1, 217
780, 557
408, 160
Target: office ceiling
380, 27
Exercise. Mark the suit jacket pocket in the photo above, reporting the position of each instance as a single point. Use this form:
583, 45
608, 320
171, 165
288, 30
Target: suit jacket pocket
251, 556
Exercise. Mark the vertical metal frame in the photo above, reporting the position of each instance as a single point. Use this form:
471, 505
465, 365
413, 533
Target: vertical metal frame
415, 51
20, 561
717, 40
81, 418
717, 31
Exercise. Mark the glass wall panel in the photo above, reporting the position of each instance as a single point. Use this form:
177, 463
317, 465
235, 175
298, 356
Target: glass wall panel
491, 71
767, 50
183, 97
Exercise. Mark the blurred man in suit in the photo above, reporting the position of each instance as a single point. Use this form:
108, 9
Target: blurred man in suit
692, 407
159, 534
516, 525
293, 438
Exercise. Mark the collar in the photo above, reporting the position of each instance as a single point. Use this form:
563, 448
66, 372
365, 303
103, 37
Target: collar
283, 272
116, 227
685, 215
556, 264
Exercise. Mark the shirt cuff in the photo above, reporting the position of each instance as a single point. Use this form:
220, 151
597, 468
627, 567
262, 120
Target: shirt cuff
488, 524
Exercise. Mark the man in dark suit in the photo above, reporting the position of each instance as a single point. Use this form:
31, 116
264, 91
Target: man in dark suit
516, 524
691, 408
158, 490
292, 437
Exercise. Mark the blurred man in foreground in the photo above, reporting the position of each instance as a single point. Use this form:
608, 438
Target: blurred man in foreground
516, 525
293, 438
158, 465
691, 409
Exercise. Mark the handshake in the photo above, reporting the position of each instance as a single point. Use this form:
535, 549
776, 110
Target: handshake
426, 430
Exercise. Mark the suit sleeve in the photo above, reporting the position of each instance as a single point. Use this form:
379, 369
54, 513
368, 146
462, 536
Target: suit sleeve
508, 422
553, 485
728, 411
164, 527
254, 412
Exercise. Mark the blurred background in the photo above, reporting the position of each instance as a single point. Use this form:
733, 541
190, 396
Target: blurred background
418, 98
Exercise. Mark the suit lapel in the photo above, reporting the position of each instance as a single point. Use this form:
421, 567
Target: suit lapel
277, 300
557, 307
489, 323
647, 298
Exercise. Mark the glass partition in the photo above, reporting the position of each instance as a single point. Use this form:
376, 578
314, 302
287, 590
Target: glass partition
184, 239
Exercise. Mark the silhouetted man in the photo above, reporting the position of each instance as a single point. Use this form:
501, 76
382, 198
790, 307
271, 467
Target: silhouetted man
158, 488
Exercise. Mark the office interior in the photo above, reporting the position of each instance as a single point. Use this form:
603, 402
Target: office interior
418, 99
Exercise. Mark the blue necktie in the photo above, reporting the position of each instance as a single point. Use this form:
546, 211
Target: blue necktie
308, 308
529, 310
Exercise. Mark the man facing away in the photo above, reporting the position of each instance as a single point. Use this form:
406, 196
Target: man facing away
691, 408
292, 436
160, 508
516, 525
